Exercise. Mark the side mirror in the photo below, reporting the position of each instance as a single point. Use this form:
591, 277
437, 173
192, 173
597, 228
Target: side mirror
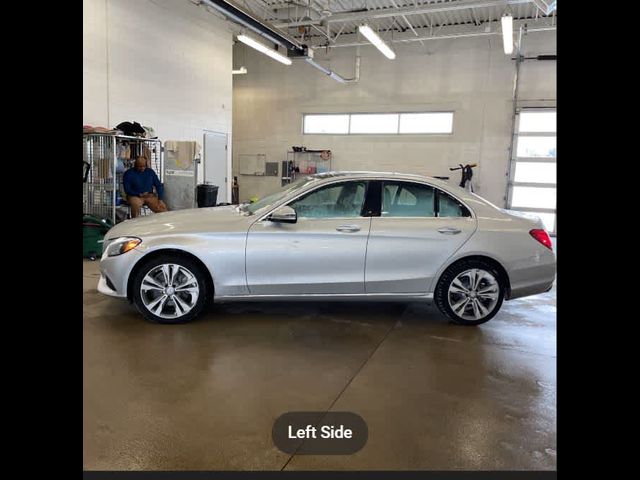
284, 214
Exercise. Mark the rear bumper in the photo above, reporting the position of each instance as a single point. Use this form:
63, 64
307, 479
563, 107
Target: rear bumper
533, 279
528, 290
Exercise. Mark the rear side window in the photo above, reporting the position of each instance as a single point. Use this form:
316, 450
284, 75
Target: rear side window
402, 199
407, 199
450, 207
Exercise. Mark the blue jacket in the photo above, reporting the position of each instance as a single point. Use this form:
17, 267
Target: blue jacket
136, 183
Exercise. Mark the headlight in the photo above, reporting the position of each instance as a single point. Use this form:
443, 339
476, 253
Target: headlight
122, 245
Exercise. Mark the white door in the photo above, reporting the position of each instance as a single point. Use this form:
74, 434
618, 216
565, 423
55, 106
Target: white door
215, 162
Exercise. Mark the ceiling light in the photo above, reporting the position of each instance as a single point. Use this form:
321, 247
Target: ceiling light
507, 34
240, 71
377, 42
264, 49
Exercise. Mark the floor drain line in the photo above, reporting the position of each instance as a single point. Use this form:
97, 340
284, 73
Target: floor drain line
384, 337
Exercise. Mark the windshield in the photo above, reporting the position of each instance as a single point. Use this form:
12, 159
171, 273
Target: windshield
278, 195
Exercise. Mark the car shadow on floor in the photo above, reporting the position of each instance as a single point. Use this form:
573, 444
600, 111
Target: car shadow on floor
361, 312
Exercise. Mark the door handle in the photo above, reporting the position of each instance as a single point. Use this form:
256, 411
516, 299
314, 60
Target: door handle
348, 228
449, 230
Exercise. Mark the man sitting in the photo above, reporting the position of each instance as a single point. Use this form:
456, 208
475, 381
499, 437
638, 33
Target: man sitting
138, 184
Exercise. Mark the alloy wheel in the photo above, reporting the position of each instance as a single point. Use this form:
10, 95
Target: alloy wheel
473, 294
169, 291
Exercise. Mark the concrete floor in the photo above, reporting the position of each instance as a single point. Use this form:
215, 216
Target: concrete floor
204, 396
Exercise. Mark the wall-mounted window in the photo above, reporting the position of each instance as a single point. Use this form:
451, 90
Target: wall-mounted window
329, 124
378, 123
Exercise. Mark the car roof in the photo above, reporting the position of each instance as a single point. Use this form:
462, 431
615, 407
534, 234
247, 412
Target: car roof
373, 174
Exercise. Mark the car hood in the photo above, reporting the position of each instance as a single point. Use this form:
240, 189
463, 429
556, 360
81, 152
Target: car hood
195, 220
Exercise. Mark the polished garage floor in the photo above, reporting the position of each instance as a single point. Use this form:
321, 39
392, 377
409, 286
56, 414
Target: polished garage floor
204, 396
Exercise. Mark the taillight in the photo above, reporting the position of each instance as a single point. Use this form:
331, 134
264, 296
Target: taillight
542, 236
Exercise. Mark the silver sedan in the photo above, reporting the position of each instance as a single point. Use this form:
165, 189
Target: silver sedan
335, 236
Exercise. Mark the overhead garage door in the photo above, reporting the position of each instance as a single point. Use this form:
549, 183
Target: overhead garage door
532, 187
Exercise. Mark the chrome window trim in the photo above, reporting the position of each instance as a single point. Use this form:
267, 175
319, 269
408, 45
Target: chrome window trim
285, 201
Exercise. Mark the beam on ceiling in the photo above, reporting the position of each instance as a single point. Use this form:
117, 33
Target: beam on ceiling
398, 12
450, 32
545, 6
404, 17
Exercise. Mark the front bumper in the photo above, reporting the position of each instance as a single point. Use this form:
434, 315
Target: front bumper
115, 273
105, 289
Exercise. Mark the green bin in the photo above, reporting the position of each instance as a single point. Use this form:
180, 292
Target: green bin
94, 229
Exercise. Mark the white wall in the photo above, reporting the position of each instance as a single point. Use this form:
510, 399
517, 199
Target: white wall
162, 63
471, 76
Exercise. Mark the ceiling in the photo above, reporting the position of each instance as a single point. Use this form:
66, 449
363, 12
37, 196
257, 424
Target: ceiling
334, 23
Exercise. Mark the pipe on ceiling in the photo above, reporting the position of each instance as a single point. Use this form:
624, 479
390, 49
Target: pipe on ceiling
333, 74
240, 16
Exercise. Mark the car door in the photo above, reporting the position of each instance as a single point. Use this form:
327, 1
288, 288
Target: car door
323, 252
418, 228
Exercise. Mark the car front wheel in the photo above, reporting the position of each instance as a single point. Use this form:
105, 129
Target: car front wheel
170, 290
470, 292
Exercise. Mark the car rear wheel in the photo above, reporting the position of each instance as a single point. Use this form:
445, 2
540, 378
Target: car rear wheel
470, 292
170, 290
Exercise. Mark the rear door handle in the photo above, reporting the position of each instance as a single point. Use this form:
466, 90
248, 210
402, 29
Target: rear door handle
348, 228
449, 230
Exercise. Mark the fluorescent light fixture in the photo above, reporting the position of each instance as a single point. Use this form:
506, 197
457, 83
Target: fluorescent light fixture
377, 42
507, 34
240, 71
264, 49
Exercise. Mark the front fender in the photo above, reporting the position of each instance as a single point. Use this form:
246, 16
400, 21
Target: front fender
221, 253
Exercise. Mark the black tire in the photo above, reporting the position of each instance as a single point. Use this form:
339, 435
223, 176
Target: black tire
441, 294
187, 263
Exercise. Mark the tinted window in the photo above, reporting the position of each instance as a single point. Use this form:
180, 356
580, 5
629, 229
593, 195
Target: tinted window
450, 207
400, 199
333, 201
274, 197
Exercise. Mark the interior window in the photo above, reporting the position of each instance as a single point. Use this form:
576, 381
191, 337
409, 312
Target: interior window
334, 201
450, 207
406, 198
401, 199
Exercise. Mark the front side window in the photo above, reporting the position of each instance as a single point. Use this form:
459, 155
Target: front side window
400, 199
278, 195
333, 201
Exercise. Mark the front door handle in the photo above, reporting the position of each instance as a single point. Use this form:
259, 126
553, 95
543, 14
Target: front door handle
348, 228
449, 230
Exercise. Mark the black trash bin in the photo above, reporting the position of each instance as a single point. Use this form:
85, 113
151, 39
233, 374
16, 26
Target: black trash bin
207, 195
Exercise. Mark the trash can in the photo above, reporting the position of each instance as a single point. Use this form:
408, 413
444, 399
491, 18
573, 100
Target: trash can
93, 230
207, 195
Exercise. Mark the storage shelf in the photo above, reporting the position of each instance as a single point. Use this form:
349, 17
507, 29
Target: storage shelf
307, 162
